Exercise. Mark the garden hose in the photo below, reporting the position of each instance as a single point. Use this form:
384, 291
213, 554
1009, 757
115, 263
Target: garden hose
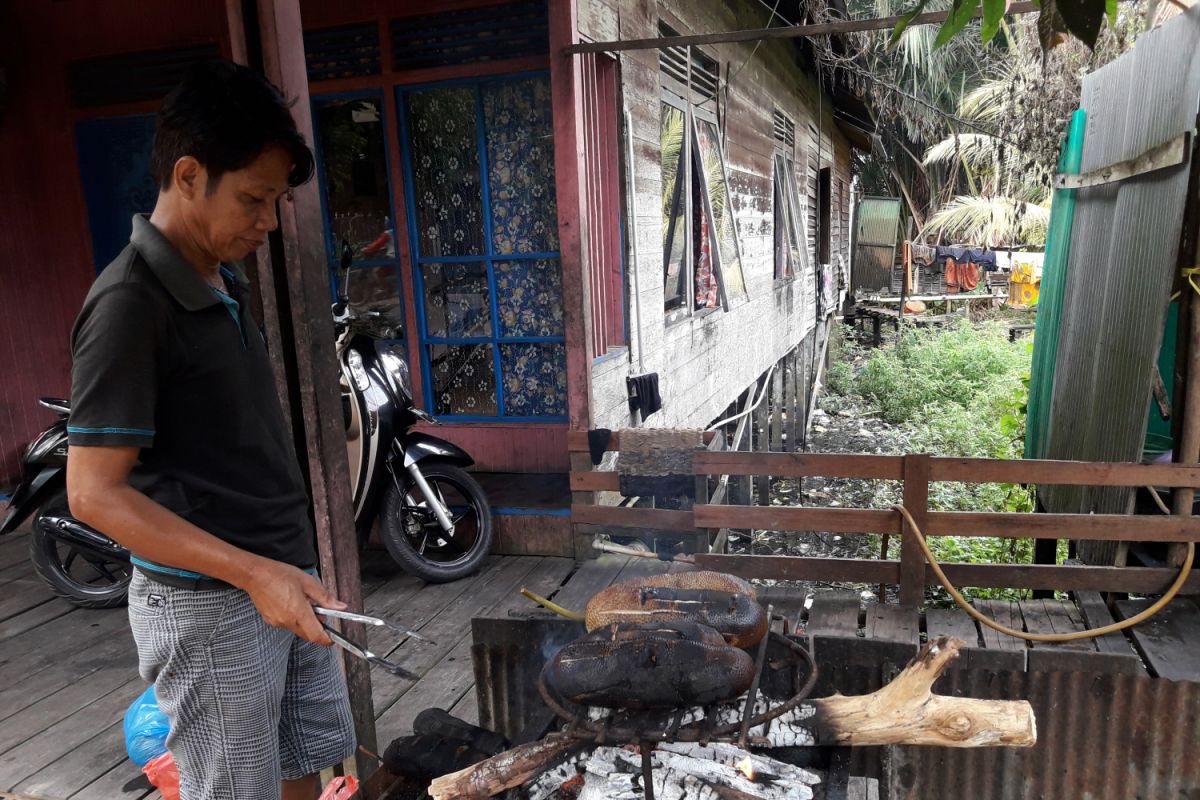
1184, 571
551, 606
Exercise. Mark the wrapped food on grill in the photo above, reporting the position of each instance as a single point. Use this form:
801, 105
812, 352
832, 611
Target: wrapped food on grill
650, 666
720, 601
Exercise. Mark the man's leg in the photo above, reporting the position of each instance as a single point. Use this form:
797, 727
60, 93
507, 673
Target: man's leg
220, 672
316, 728
306, 788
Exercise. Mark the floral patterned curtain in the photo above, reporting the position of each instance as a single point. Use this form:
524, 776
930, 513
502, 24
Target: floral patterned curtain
482, 180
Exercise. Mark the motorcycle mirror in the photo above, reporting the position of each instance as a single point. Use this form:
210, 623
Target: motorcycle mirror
343, 282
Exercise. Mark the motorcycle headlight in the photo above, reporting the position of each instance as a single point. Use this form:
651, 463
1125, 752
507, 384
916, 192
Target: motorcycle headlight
397, 372
354, 360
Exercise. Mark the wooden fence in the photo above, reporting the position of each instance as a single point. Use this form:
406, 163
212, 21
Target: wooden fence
911, 571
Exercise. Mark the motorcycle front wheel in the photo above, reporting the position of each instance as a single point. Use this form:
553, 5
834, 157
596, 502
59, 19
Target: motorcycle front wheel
82, 578
416, 540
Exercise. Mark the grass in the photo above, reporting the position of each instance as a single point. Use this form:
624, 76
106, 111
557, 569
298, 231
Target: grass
958, 391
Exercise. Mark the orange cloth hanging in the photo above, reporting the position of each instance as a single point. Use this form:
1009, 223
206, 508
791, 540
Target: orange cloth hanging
961, 277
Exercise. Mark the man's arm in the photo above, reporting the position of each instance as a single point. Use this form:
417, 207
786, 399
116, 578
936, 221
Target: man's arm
100, 495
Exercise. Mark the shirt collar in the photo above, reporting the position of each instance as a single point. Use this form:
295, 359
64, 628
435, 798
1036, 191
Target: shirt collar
179, 277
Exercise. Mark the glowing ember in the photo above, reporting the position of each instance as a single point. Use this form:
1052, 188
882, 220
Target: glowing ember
746, 766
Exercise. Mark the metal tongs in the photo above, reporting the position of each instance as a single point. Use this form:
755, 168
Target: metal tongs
367, 620
362, 652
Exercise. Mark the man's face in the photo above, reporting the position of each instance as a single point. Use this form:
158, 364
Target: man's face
232, 219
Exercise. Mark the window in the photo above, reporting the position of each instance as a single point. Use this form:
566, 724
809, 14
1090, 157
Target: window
483, 227
360, 233
791, 243
702, 267
824, 206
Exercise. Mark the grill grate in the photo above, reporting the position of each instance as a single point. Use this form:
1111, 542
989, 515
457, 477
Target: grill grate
346, 52
495, 33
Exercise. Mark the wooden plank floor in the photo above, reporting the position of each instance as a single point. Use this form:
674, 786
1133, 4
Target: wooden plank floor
67, 675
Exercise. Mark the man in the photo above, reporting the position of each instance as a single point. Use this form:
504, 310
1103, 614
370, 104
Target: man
171, 378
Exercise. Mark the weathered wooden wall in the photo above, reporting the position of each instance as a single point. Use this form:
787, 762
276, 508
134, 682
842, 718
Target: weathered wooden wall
705, 363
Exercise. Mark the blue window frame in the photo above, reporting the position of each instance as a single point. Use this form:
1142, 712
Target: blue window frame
350, 133
482, 221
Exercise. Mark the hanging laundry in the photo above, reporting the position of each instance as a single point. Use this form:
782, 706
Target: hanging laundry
985, 259
922, 253
961, 277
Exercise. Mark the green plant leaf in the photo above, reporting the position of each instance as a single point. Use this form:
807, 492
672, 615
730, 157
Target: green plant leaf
902, 25
960, 14
1083, 18
993, 15
1110, 7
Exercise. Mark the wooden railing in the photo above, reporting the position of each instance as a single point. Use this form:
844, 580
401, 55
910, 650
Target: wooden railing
911, 571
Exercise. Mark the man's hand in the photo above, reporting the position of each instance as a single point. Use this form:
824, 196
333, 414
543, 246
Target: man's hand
285, 596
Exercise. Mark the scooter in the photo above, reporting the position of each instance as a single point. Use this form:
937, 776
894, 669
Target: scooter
435, 520
79, 563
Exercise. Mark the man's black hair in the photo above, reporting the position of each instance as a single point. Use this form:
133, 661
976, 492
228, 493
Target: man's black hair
225, 115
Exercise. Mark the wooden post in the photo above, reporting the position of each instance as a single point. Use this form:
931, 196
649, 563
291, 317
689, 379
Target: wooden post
776, 398
789, 400
582, 462
916, 500
302, 309
1189, 440
566, 97
762, 439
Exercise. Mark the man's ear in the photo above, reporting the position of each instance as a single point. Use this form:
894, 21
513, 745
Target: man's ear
188, 176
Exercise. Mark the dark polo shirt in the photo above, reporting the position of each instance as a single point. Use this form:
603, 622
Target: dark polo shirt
163, 363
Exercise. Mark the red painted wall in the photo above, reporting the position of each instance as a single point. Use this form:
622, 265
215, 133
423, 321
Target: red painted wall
45, 245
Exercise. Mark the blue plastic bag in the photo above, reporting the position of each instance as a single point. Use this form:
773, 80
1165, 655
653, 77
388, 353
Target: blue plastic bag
146, 729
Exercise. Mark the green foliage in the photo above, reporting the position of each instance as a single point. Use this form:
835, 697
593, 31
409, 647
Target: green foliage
1080, 18
929, 369
960, 391
990, 221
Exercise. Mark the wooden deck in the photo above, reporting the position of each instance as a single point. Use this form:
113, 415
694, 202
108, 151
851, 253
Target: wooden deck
67, 675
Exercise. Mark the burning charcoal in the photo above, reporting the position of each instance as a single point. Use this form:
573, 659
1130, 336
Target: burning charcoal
424, 756
439, 722
650, 666
690, 772
707, 598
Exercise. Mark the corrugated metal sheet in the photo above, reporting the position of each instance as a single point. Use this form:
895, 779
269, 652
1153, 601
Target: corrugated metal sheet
1100, 737
878, 228
1122, 264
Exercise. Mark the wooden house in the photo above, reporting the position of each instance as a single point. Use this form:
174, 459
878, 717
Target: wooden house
538, 226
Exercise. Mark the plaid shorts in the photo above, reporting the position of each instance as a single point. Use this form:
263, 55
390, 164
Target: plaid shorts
249, 704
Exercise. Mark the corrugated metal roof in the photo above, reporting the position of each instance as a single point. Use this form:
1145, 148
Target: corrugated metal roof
1100, 737
1122, 264
877, 220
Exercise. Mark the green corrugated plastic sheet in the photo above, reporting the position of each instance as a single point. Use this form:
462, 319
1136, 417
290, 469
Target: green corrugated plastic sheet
1158, 430
1050, 302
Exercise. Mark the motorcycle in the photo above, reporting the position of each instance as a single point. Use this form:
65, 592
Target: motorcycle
435, 520
78, 562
